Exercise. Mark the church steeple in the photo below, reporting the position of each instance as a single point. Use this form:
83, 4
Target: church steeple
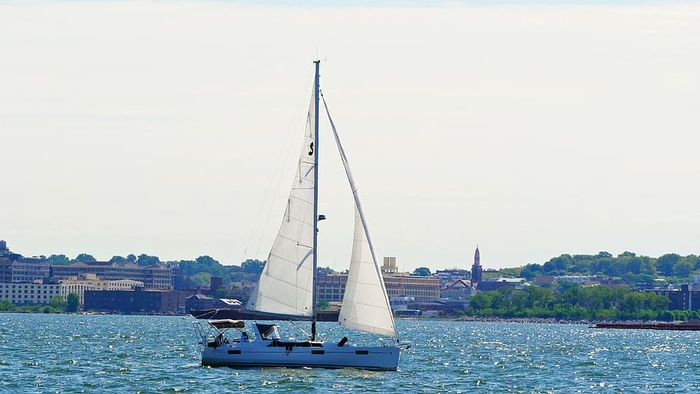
476, 268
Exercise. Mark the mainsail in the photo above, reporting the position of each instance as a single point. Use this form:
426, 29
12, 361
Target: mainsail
286, 283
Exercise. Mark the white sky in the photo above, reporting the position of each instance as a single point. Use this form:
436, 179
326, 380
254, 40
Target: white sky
532, 131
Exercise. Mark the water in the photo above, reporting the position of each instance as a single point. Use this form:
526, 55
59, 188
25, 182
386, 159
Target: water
154, 354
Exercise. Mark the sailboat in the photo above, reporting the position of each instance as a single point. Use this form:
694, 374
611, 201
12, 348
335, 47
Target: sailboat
287, 286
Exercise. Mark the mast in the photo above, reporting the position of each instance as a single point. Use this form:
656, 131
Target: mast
315, 244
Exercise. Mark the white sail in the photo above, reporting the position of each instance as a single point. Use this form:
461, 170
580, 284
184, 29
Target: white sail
286, 283
365, 303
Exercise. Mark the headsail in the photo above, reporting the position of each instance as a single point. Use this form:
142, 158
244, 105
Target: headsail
286, 283
365, 302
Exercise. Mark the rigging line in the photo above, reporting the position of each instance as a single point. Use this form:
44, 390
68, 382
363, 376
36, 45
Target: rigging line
276, 174
298, 327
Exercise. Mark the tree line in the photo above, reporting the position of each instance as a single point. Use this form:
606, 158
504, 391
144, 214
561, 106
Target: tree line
56, 305
568, 300
203, 268
199, 270
626, 266
572, 301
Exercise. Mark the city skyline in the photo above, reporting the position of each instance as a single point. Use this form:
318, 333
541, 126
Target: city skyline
530, 130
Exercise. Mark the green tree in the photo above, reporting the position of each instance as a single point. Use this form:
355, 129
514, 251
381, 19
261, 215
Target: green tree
695, 260
252, 266
422, 271
220, 293
481, 301
582, 266
85, 258
682, 269
519, 300
322, 270
563, 262
73, 302
145, 260
506, 299
539, 297
666, 263
323, 305
57, 303
549, 268
59, 259
207, 264
201, 279
6, 306
118, 259
531, 271
507, 272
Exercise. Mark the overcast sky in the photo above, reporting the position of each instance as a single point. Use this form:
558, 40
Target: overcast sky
172, 129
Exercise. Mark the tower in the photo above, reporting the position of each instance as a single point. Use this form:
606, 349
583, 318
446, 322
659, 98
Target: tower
476, 268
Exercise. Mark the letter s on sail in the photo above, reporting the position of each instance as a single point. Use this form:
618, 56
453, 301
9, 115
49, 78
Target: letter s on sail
311, 147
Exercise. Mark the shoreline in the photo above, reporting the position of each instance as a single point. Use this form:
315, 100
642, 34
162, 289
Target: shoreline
469, 319
539, 320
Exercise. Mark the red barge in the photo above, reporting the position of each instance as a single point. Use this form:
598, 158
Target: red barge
694, 326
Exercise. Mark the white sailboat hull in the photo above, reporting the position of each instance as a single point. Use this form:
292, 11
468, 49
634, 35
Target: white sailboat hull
287, 285
301, 354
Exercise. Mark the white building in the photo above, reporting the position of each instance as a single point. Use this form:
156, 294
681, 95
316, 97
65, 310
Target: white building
29, 293
92, 282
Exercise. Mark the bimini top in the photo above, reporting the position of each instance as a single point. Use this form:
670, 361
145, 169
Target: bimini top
227, 323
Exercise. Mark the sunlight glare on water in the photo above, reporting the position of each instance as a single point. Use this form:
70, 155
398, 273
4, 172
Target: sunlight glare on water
98, 353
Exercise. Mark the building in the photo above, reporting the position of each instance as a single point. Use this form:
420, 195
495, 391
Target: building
92, 282
14, 268
451, 275
216, 283
29, 269
421, 288
581, 279
401, 304
135, 301
153, 277
476, 268
29, 293
457, 290
332, 287
497, 283
198, 302
687, 298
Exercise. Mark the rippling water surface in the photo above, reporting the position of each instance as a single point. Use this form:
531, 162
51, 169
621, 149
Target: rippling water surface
151, 354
